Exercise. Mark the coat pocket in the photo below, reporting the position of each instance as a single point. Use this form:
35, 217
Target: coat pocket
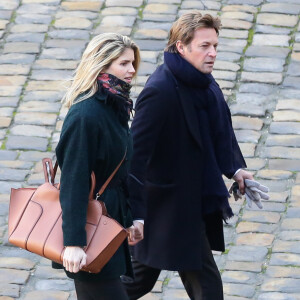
159, 192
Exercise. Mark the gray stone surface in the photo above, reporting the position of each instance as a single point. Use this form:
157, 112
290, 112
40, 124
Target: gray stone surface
293, 212
285, 164
118, 21
9, 290
146, 68
35, 118
26, 37
69, 34
285, 259
272, 78
37, 8
79, 13
267, 51
228, 56
278, 296
285, 127
247, 253
282, 285
239, 277
286, 246
26, 143
292, 235
55, 295
155, 25
264, 64
131, 3
281, 152
240, 122
291, 81
151, 45
58, 43
293, 69
283, 140
33, 18
12, 174
17, 58
242, 290
259, 88
246, 136
277, 19
272, 30
61, 53
243, 2
51, 75
30, 130
158, 17
285, 8
253, 98
63, 285
250, 110
34, 155
51, 96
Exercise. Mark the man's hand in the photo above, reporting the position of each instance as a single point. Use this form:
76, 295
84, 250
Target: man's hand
254, 192
239, 177
136, 233
74, 259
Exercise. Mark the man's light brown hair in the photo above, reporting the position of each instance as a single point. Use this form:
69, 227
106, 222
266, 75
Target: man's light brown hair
183, 29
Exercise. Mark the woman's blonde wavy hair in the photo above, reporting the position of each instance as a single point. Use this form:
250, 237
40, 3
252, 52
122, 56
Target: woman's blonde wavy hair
101, 51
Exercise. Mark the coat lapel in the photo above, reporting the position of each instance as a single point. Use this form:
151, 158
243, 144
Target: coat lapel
190, 113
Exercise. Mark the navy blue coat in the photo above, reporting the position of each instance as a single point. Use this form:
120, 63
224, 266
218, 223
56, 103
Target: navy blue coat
166, 176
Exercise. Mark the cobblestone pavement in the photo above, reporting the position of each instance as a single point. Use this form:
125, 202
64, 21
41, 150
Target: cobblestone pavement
258, 69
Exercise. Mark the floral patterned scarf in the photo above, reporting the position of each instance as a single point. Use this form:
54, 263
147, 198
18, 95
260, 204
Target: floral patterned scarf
114, 85
117, 87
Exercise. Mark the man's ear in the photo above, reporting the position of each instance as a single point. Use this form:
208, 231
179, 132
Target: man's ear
180, 47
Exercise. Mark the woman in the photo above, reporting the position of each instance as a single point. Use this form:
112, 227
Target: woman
95, 136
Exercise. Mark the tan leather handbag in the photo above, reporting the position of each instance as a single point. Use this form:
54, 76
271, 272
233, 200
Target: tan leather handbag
35, 222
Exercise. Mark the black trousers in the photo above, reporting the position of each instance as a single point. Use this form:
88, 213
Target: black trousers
205, 284
100, 290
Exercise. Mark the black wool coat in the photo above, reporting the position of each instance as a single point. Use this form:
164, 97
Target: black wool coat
166, 176
94, 139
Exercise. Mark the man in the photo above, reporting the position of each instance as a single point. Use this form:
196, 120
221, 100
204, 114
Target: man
183, 143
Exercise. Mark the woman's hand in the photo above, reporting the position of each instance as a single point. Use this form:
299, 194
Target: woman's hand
136, 233
74, 259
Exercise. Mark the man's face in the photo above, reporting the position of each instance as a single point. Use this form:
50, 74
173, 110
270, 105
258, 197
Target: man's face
201, 52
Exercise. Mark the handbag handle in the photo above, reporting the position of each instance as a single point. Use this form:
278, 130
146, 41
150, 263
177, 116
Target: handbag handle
50, 172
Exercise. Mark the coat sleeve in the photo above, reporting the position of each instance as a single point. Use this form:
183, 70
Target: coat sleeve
76, 155
150, 115
228, 153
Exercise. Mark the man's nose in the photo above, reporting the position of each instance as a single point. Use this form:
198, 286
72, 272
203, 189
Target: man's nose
213, 52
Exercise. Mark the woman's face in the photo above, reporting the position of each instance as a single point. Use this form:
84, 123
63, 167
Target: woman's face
122, 67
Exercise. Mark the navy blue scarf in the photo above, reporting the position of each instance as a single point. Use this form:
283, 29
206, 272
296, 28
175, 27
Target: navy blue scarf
186, 72
222, 153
